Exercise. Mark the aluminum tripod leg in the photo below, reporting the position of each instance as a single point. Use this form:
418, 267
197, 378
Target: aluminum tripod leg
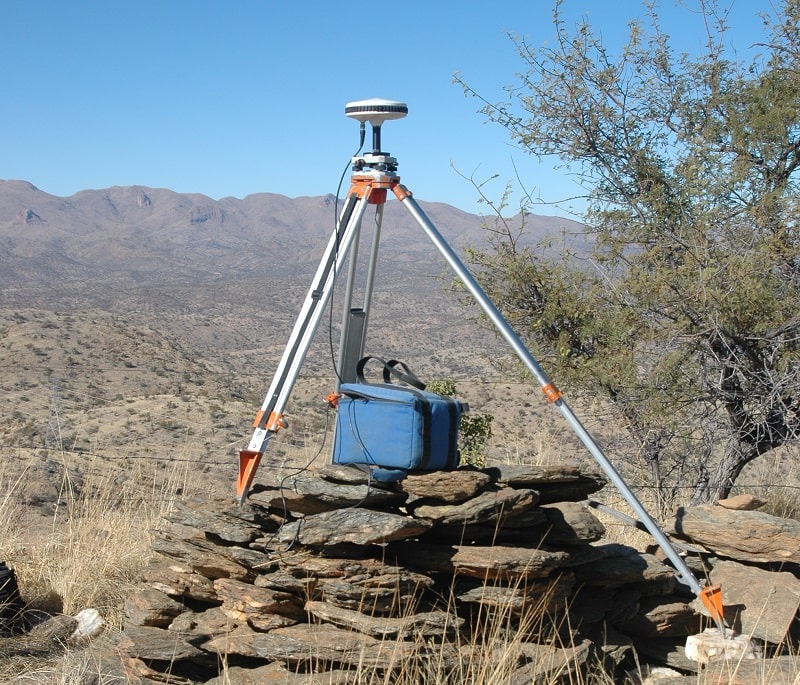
685, 574
270, 417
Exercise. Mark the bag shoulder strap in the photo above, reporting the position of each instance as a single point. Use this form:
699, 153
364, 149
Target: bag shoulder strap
393, 367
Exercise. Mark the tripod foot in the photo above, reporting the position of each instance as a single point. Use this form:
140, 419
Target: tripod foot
248, 463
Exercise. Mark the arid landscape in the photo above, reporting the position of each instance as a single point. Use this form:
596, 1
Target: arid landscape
138, 325
139, 330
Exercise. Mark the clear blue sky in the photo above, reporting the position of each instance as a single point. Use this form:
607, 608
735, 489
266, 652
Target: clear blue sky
244, 96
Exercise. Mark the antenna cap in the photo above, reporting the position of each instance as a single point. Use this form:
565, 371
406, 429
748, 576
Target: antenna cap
375, 110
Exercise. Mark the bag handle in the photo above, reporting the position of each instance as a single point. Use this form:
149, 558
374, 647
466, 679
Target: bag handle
393, 367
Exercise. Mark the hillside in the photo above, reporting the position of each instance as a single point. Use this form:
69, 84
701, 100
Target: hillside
143, 324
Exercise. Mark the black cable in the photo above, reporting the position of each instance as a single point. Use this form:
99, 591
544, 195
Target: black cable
292, 474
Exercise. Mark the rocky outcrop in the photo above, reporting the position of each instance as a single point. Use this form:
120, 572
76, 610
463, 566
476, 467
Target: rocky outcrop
324, 577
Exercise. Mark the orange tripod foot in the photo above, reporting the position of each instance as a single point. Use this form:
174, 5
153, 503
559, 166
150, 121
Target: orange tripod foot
248, 463
711, 596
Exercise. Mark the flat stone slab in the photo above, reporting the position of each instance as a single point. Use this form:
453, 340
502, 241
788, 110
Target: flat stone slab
237, 641
324, 644
495, 563
548, 595
554, 482
355, 526
526, 529
348, 474
660, 617
741, 535
309, 494
231, 523
195, 627
757, 602
178, 580
350, 583
486, 508
667, 651
201, 556
435, 625
152, 643
620, 564
570, 523
261, 607
531, 475
150, 607
451, 487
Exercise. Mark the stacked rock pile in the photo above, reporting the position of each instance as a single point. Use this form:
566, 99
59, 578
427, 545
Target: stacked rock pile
443, 577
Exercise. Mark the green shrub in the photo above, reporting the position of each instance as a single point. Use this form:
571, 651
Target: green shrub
475, 429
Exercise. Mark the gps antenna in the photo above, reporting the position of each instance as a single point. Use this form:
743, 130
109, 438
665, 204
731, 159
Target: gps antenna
375, 111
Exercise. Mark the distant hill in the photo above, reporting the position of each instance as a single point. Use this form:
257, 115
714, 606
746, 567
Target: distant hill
127, 237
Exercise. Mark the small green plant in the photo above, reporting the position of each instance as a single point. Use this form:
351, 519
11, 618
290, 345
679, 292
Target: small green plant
442, 386
475, 430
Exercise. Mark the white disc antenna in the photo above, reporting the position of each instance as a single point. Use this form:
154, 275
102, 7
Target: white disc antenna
375, 111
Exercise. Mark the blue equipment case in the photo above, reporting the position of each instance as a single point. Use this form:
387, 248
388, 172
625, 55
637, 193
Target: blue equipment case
396, 428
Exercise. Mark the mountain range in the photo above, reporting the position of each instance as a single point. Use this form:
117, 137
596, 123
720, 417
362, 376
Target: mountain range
134, 236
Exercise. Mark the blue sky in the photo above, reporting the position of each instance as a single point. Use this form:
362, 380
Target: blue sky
245, 96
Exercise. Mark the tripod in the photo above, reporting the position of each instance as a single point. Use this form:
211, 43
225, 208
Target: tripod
374, 174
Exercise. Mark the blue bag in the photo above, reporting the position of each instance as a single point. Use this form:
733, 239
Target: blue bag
395, 429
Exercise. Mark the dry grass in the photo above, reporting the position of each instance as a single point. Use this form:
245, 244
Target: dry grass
87, 554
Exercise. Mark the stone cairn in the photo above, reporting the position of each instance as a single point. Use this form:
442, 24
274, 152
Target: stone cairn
444, 577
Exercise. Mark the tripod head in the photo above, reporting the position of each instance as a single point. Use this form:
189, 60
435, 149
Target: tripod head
375, 111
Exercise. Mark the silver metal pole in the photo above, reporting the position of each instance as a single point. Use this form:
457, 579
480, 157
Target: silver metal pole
685, 574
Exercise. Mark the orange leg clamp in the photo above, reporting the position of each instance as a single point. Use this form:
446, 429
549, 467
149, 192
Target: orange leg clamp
401, 192
361, 186
273, 423
551, 392
372, 189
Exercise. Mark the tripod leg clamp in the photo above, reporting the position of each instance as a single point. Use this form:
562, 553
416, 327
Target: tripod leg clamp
273, 423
